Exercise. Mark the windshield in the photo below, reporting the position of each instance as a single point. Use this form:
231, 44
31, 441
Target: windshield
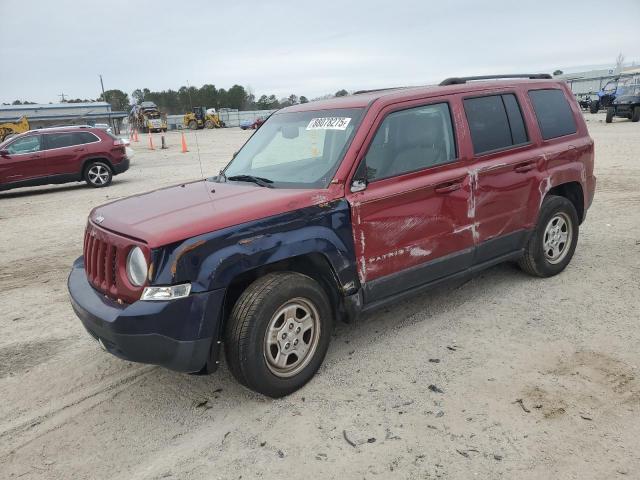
297, 150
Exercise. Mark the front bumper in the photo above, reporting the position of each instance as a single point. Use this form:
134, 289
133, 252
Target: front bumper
178, 334
121, 167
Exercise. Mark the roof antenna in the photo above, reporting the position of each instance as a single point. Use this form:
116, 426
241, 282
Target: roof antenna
195, 132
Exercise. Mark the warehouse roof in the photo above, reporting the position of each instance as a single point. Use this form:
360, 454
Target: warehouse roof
48, 106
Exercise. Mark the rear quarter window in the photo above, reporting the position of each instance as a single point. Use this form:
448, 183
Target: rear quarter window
554, 114
85, 137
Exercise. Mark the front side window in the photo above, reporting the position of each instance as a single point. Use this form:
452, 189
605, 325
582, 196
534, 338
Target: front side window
495, 122
411, 140
28, 144
296, 150
60, 140
554, 114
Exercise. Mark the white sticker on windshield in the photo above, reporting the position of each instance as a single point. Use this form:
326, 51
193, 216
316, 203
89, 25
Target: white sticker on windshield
329, 123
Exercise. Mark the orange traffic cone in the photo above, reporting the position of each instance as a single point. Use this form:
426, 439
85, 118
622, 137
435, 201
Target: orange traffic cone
184, 144
151, 142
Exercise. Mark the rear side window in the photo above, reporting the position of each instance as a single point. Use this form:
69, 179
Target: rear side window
60, 140
411, 140
495, 122
555, 117
85, 137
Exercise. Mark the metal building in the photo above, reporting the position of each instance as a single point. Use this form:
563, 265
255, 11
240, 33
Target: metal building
55, 114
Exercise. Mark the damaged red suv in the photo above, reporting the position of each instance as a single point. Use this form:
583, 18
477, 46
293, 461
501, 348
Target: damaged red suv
331, 209
62, 155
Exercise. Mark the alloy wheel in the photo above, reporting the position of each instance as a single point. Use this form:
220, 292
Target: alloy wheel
292, 337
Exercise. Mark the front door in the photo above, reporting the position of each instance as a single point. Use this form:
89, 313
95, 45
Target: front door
23, 161
411, 223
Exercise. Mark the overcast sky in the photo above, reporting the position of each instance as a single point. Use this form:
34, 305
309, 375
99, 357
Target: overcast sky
304, 47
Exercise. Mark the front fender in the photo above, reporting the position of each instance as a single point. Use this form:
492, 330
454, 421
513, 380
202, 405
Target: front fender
212, 260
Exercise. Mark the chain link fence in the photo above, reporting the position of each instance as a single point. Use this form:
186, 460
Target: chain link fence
231, 118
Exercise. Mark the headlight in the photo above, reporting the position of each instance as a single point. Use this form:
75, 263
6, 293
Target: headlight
170, 292
137, 267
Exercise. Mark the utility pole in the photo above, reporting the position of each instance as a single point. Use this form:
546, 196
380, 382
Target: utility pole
109, 108
61, 97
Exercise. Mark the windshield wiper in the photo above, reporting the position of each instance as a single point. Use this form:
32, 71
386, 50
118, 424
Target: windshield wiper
263, 182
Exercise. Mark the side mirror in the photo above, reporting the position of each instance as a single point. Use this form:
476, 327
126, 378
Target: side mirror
235, 154
358, 186
4, 153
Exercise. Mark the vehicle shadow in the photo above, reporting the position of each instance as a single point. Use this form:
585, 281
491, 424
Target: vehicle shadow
50, 189
368, 329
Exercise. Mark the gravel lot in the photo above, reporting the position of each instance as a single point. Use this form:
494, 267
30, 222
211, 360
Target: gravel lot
539, 378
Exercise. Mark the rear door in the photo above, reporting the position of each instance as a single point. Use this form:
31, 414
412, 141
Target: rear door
64, 151
24, 161
410, 220
506, 171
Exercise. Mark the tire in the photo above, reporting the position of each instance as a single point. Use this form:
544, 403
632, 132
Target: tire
193, 125
264, 307
208, 124
635, 117
546, 240
594, 106
98, 174
611, 112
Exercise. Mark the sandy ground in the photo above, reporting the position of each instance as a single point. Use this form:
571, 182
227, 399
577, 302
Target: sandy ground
567, 347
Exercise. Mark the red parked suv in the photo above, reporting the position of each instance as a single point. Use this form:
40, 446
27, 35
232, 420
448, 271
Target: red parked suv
61, 155
331, 209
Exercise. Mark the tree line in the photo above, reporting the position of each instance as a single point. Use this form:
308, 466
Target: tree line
176, 102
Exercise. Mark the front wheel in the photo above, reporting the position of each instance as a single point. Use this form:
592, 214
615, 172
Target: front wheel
98, 174
611, 112
635, 116
278, 333
594, 106
193, 125
208, 124
552, 243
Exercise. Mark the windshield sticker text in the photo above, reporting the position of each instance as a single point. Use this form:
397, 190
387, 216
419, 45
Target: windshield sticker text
329, 123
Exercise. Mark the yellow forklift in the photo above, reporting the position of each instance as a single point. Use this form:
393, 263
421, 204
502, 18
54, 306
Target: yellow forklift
200, 117
9, 129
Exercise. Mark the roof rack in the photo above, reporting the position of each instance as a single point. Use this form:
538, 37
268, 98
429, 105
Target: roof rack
460, 80
58, 127
360, 92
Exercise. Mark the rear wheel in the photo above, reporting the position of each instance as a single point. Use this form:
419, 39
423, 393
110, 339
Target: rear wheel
552, 243
594, 106
98, 174
278, 333
208, 124
193, 125
635, 117
611, 112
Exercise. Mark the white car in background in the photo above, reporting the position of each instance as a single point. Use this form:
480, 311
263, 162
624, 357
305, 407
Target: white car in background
103, 126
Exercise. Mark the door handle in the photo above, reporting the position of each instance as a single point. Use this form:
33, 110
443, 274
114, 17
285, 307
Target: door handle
78, 149
448, 187
524, 167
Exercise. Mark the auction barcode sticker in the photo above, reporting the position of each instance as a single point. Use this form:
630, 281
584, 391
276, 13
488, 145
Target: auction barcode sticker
329, 123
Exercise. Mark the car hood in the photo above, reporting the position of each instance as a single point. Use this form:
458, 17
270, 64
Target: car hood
183, 211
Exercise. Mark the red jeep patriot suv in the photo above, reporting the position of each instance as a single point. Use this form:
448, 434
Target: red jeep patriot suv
61, 155
331, 209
